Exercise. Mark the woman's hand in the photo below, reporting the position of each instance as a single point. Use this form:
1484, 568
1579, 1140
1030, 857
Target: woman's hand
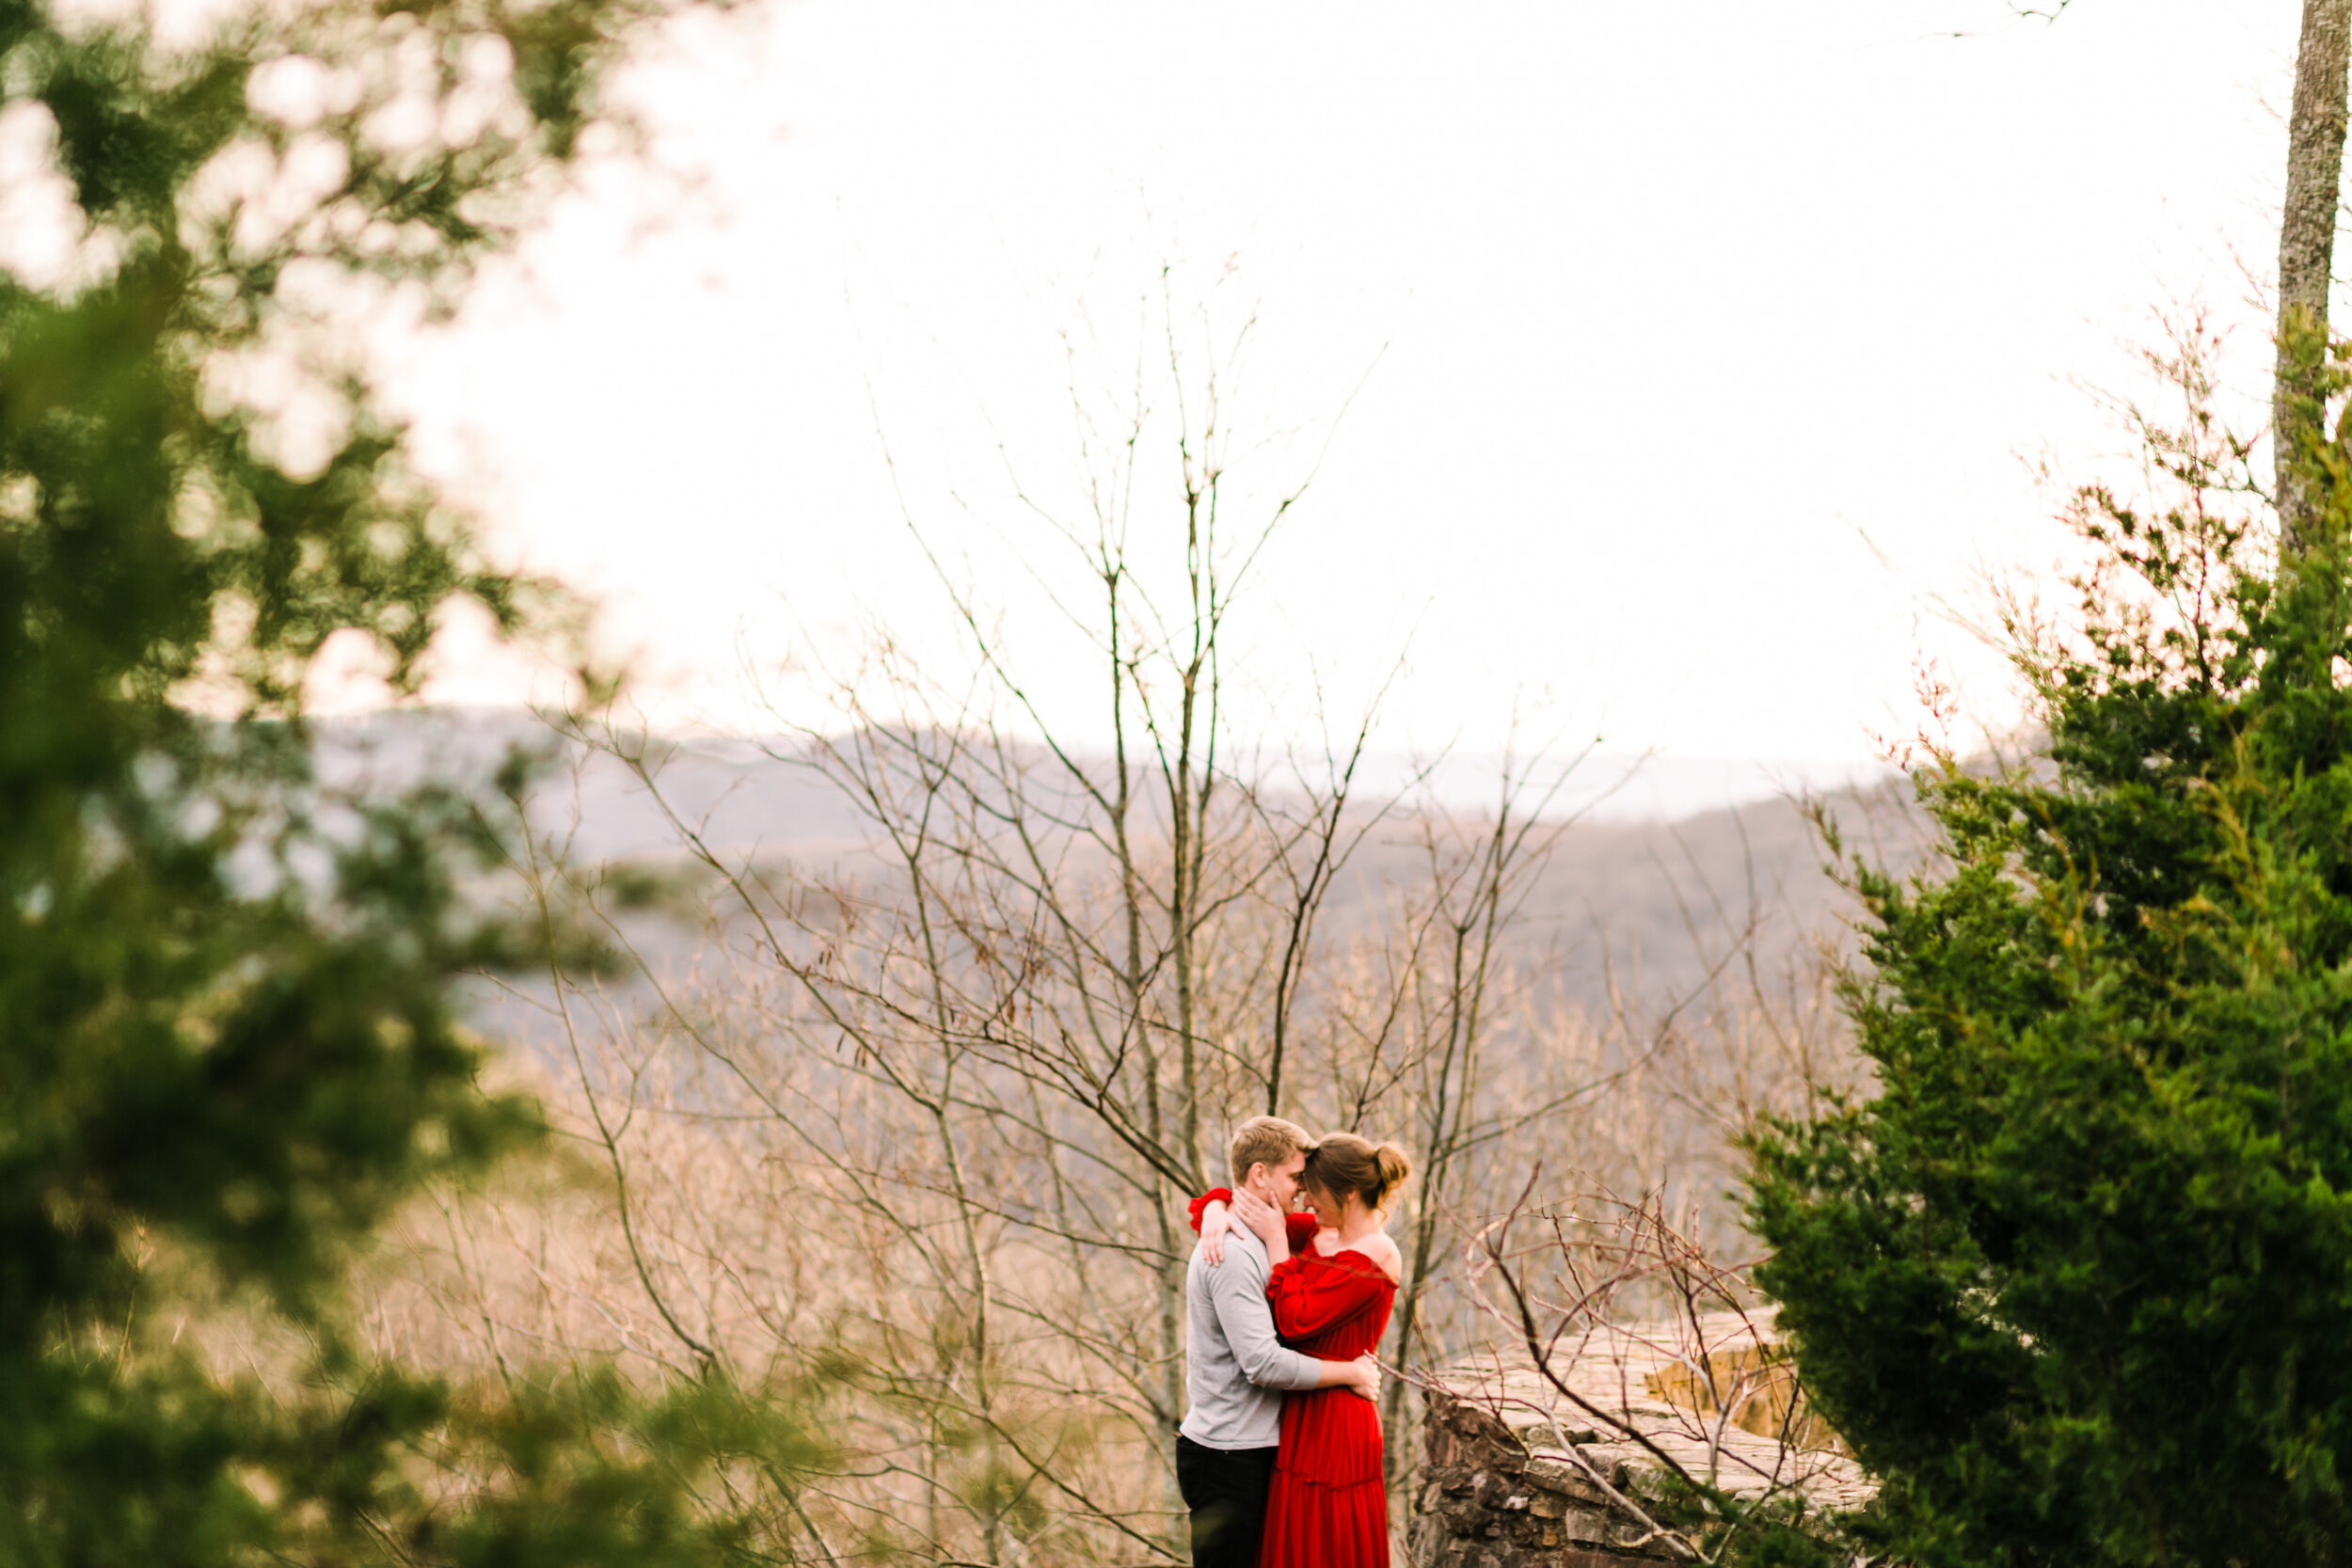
1216, 1220
1264, 1221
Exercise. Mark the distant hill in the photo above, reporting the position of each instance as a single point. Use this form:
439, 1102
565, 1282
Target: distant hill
1638, 892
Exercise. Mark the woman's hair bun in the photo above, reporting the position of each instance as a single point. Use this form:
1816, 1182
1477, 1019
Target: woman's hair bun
1342, 1163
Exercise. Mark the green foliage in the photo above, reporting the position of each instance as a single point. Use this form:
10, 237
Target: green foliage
2077, 1282
225, 1037
1778, 1531
587, 1471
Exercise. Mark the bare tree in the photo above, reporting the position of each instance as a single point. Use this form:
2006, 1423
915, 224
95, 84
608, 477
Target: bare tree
1029, 1008
1055, 974
922, 1108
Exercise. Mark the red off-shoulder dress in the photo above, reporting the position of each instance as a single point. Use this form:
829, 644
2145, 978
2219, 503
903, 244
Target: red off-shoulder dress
1329, 1507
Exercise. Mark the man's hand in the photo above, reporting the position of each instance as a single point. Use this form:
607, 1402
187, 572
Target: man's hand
1263, 1219
1214, 1221
1369, 1383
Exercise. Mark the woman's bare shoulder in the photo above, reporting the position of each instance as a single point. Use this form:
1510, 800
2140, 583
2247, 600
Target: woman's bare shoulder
1382, 1249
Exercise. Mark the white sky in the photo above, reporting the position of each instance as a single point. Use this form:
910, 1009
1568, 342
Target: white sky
1680, 303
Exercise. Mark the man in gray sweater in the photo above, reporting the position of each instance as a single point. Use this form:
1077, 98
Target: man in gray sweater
1236, 1369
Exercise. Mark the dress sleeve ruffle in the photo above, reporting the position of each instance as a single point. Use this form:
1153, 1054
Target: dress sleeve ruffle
1310, 1293
1215, 1194
1301, 1227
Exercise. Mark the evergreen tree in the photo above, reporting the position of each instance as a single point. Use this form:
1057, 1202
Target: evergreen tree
2078, 1281
227, 1047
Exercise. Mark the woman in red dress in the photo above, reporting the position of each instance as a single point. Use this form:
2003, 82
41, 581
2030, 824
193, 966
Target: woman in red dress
1329, 1507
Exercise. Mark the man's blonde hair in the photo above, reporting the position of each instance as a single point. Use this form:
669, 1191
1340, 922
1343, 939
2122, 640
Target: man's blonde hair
1265, 1141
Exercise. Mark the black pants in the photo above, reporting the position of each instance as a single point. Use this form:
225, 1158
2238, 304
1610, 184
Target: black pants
1226, 1490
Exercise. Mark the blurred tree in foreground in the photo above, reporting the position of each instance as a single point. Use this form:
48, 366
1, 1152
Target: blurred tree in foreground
2075, 1282
226, 1049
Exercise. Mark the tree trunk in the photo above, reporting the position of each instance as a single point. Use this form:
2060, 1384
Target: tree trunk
2307, 243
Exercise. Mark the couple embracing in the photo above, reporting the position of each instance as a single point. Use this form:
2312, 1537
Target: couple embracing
1278, 1457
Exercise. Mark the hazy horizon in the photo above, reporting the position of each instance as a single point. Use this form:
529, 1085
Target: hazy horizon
1597, 785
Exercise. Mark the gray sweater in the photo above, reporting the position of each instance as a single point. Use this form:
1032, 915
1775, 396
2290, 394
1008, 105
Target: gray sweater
1234, 1368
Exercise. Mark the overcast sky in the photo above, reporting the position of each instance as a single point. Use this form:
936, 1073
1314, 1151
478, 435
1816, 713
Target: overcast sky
1704, 341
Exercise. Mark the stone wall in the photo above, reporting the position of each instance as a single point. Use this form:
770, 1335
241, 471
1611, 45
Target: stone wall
1487, 1502
1508, 1477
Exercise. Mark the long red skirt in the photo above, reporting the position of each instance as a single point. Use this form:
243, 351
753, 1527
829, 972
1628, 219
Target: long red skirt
1329, 1507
